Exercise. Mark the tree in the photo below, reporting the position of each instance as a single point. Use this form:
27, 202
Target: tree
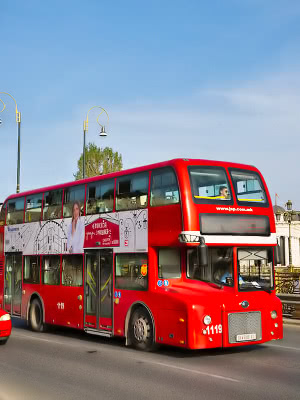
98, 161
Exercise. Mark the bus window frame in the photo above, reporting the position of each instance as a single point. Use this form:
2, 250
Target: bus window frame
6, 211
249, 203
82, 204
61, 208
116, 199
224, 202
5, 208
151, 184
99, 182
25, 207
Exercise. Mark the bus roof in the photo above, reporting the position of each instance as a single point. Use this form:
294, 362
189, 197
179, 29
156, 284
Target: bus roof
177, 162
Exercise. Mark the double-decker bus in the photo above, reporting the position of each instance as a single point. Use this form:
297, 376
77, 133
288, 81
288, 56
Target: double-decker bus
178, 253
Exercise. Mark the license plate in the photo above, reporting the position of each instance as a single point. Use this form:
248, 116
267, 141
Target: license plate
246, 336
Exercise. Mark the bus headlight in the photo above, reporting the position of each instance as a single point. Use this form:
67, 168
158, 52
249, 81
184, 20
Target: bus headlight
207, 319
5, 317
273, 314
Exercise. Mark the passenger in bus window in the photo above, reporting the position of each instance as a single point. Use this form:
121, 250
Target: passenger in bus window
223, 192
76, 231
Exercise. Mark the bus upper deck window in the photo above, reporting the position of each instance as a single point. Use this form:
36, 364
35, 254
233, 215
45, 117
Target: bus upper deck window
164, 187
100, 196
52, 204
2, 214
248, 187
132, 191
15, 211
33, 207
209, 184
71, 195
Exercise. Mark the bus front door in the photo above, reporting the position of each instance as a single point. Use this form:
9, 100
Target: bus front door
98, 291
13, 283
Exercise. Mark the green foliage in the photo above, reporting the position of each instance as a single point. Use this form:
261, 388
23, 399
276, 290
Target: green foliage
98, 161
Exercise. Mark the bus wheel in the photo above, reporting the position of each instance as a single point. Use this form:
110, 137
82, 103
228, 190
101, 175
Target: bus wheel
36, 316
141, 330
3, 341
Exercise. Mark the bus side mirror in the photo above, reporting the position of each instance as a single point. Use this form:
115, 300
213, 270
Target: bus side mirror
202, 254
277, 255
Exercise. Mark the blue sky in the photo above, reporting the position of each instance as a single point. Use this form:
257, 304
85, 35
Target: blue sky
196, 79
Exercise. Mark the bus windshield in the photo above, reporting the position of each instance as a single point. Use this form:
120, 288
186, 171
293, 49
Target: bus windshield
219, 269
248, 187
209, 184
255, 269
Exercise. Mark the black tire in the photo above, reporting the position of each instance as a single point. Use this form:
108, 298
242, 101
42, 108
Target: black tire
141, 330
36, 316
3, 341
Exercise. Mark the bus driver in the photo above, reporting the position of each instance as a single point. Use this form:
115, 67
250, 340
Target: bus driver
223, 192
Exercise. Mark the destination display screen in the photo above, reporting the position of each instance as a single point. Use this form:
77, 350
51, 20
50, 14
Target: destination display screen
247, 225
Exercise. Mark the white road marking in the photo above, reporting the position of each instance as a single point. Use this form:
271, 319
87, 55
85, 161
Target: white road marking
193, 371
283, 347
40, 339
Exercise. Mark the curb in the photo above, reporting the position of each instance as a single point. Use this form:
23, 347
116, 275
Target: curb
291, 321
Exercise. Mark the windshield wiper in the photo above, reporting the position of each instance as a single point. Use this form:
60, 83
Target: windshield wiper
252, 288
268, 290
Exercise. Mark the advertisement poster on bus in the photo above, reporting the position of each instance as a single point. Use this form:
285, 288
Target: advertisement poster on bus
126, 231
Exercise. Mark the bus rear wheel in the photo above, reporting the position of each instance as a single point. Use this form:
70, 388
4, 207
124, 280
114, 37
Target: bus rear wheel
141, 330
36, 316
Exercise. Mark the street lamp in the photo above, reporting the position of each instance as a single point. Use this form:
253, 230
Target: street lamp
18, 120
288, 217
85, 129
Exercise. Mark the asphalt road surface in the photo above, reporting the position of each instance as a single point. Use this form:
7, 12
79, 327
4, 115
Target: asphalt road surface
67, 364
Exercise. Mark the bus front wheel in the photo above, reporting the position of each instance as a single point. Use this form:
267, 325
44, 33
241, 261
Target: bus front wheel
36, 316
141, 330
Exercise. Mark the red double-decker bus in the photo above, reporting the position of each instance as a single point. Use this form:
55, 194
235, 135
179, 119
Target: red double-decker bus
178, 253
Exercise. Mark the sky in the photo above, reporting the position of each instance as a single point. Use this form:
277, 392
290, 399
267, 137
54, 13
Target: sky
201, 79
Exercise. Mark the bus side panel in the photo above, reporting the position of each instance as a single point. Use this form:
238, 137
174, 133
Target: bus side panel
171, 327
165, 224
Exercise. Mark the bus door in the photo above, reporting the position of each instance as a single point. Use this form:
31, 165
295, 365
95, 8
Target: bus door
98, 290
13, 283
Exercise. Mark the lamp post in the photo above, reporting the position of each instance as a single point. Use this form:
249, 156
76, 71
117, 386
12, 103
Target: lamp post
18, 120
288, 217
85, 129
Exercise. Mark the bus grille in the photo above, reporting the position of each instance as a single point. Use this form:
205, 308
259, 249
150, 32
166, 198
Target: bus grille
243, 326
1, 267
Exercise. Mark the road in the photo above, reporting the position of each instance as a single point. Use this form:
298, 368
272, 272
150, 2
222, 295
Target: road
66, 364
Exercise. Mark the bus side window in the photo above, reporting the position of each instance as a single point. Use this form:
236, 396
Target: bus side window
52, 204
2, 214
131, 271
72, 194
100, 196
31, 272
15, 211
169, 265
51, 270
132, 191
72, 266
164, 187
33, 207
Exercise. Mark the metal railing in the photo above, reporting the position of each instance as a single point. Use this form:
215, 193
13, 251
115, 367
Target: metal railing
288, 290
